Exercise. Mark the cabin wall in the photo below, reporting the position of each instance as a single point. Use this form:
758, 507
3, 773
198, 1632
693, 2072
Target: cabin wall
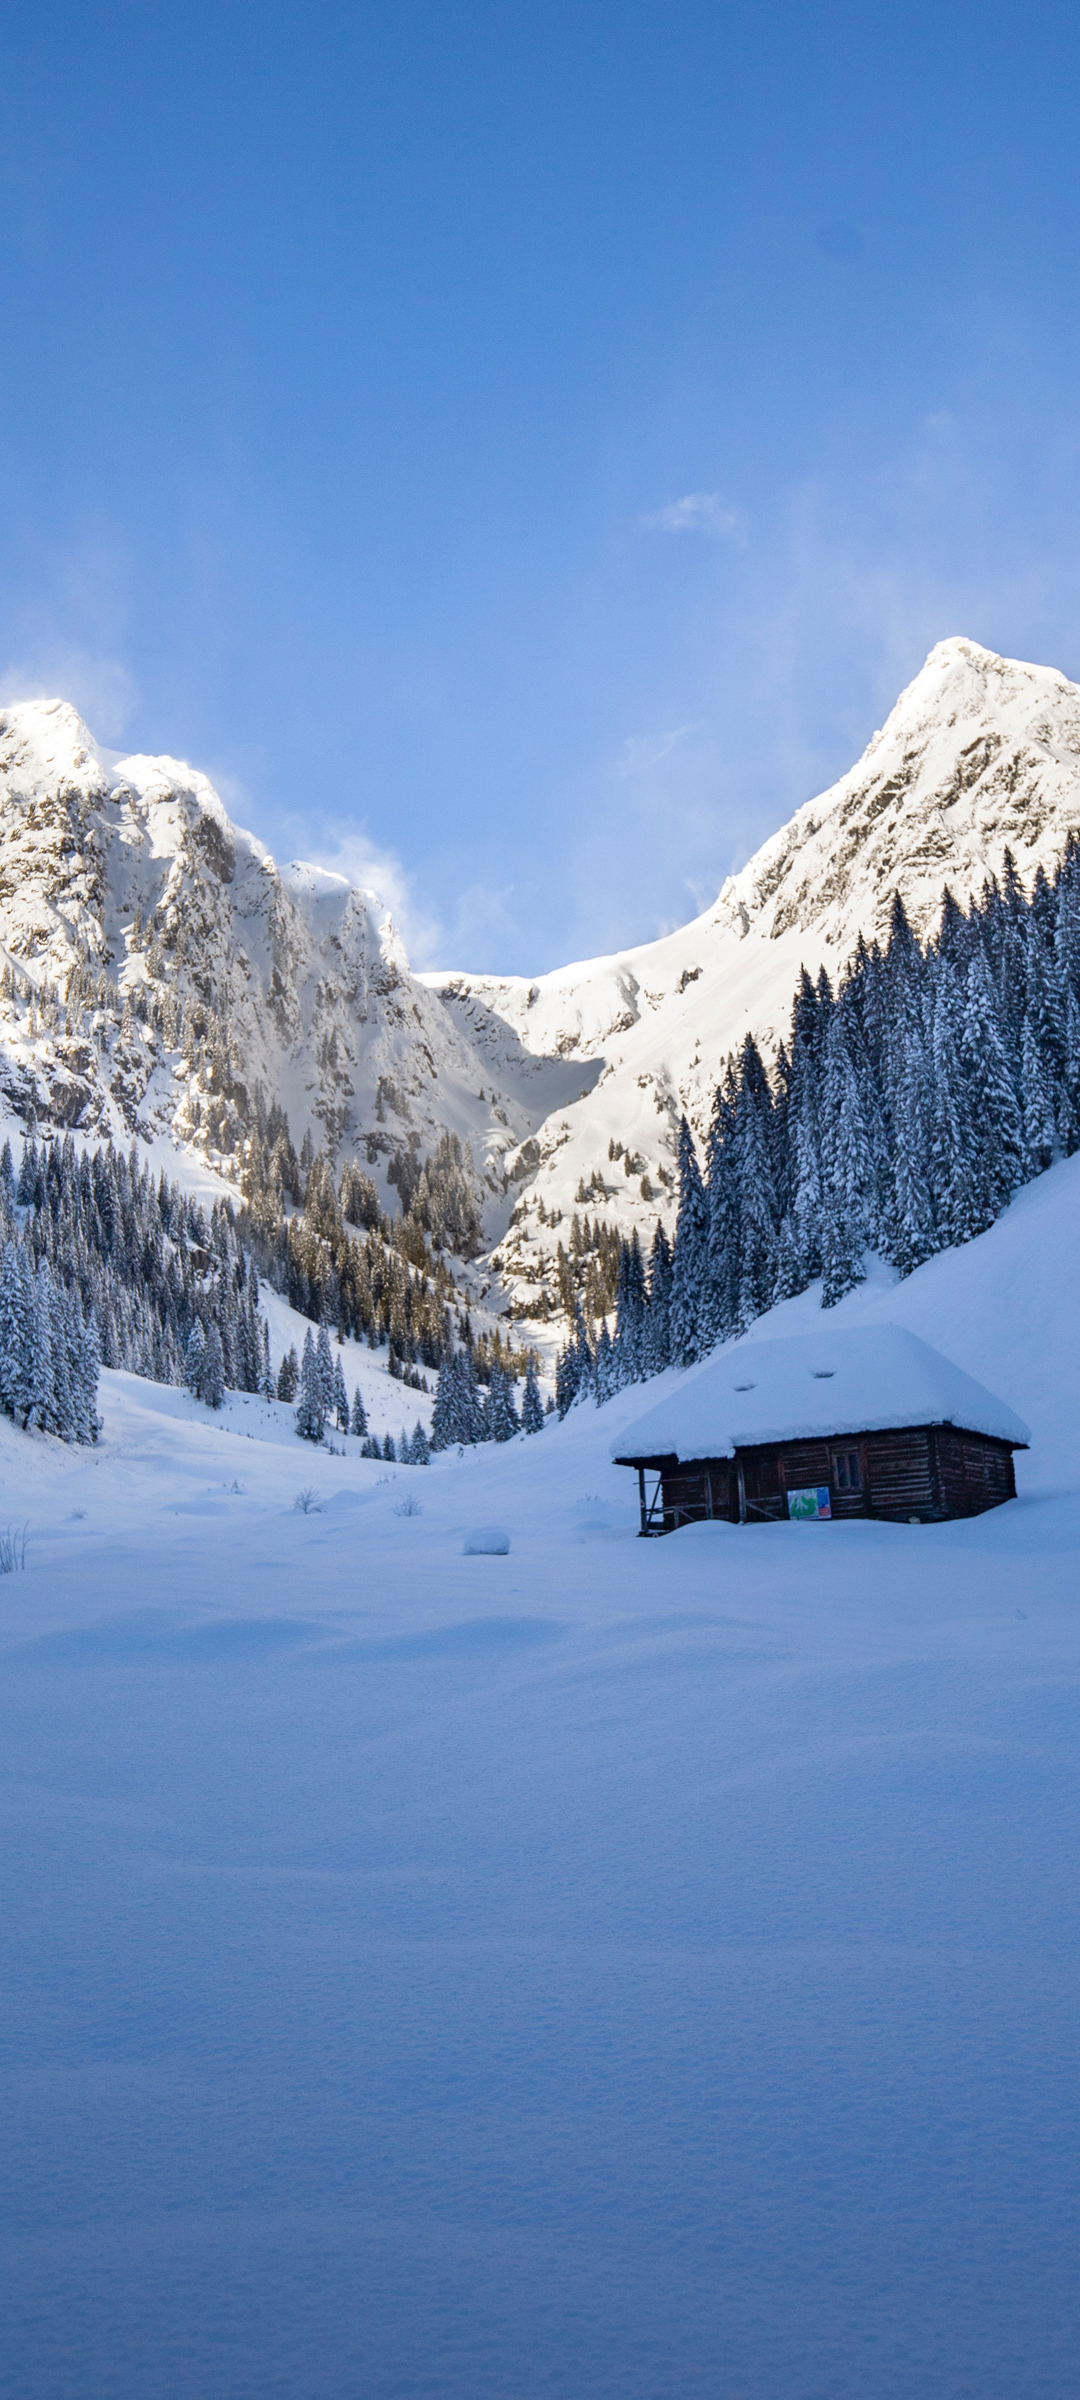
901, 1477
928, 1472
974, 1472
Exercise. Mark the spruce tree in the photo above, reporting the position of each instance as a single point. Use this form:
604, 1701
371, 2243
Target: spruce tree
310, 1409
789, 1279
502, 1410
757, 1202
324, 1357
40, 1410
719, 1302
658, 1323
998, 1166
689, 1259
532, 1407
194, 1352
848, 1172
212, 1380
915, 1225
605, 1375
444, 1415
631, 1311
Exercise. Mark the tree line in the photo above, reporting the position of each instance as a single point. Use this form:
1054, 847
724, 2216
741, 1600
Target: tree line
907, 1109
104, 1263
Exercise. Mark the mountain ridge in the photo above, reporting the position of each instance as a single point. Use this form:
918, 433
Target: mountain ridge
225, 976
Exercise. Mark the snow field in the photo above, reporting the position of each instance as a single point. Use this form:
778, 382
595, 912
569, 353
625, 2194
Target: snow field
611, 1968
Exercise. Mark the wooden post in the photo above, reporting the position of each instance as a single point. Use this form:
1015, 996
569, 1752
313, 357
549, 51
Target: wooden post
742, 1490
641, 1497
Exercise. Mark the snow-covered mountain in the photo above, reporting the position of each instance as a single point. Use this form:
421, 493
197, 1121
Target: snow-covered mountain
132, 865
980, 754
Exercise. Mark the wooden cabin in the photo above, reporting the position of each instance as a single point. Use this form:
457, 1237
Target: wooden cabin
870, 1422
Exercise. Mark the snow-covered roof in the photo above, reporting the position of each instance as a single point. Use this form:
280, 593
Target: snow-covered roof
868, 1380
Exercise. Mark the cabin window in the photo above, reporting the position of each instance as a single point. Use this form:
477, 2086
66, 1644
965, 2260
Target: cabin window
847, 1470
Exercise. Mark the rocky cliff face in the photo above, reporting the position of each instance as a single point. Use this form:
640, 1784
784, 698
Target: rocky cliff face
231, 974
225, 972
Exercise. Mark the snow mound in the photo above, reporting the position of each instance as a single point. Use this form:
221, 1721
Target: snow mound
488, 1541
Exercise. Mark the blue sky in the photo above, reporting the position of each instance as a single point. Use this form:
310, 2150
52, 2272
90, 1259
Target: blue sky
521, 451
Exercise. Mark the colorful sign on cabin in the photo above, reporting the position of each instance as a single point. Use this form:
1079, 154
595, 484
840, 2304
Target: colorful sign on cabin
813, 1502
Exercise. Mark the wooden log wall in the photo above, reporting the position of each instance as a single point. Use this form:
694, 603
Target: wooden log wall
974, 1473
918, 1471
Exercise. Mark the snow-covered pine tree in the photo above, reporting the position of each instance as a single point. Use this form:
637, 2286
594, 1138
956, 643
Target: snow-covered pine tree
64, 1362
690, 1255
324, 1367
630, 1344
470, 1410
998, 1162
659, 1317
310, 1409
503, 1418
575, 1368
1040, 1111
848, 1170
789, 1269
719, 1299
951, 1133
532, 1407
757, 1199
358, 1421
444, 1415
86, 1381
16, 1335
916, 1232
194, 1353
605, 1372
40, 1412
212, 1382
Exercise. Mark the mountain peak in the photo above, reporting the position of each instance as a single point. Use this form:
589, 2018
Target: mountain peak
202, 975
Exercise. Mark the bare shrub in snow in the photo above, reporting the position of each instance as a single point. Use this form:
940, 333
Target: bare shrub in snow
307, 1502
409, 1507
13, 1550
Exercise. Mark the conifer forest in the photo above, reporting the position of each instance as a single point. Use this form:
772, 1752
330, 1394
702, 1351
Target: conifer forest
904, 1113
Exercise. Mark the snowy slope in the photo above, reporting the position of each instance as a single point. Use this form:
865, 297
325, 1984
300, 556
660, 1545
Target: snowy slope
615, 1968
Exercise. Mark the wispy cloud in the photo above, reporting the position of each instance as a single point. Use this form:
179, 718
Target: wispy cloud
67, 622
344, 849
700, 512
102, 689
641, 752
478, 918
